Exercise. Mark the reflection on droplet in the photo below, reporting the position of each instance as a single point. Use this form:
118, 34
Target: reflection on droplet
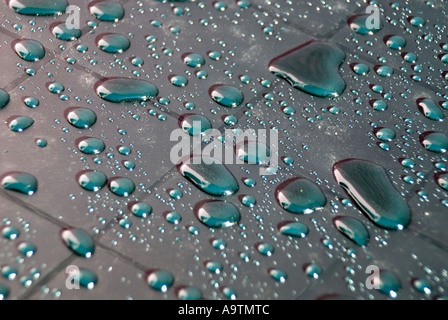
430, 110
20, 123
79, 241
435, 142
121, 186
90, 145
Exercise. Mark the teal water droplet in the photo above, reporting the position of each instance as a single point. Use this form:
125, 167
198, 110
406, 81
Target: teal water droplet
353, 229
229, 293
249, 182
442, 180
219, 244
434, 142
31, 102
384, 71
278, 275
173, 217
430, 110
422, 286
417, 21
10, 233
106, 11
408, 163
189, 293
410, 57
358, 23
209, 175
38, 8
20, 123
214, 55
21, 182
121, 186
388, 283
265, 249
62, 32
218, 214
4, 98
385, 134
56, 87
299, 195
293, 229
141, 209
124, 89
194, 60
159, 280
313, 271
361, 69
124, 150
4, 292
214, 267
82, 118
248, 201
396, 42
179, 81
29, 50
253, 152
90, 145
113, 42
9, 272
370, 187
230, 120
379, 105
175, 194
79, 241
195, 124
27, 249
128, 164
85, 277
226, 95
312, 68
92, 180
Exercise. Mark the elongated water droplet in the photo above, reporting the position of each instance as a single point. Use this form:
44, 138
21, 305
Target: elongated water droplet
38, 8
123, 89
106, 11
312, 68
79, 241
278, 275
90, 145
434, 141
293, 229
28, 49
21, 182
20, 123
226, 95
209, 175
63, 33
92, 180
369, 186
218, 214
113, 42
353, 229
430, 110
79, 117
299, 195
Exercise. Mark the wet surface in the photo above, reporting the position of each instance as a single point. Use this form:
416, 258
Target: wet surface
93, 206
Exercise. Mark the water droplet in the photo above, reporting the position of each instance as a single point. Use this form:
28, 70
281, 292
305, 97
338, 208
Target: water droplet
62, 32
369, 186
217, 213
265, 249
395, 42
299, 195
124, 89
430, 110
10, 233
28, 49
92, 180
421, 285
21, 182
357, 23
253, 152
226, 95
214, 267
113, 42
38, 8
159, 280
20, 123
312, 68
79, 241
87, 278
79, 117
31, 102
361, 69
293, 229
313, 270
434, 141
90, 145
121, 186
353, 229
141, 209
389, 283
195, 124
194, 60
278, 275
209, 175
173, 217
178, 81
27, 249
4, 98
189, 293
106, 11
385, 134
248, 201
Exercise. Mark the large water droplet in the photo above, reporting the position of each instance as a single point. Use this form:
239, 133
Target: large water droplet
21, 182
39, 7
20, 123
226, 95
92, 180
106, 11
434, 141
430, 110
79, 117
28, 49
353, 229
395, 42
113, 42
369, 186
217, 214
79, 241
312, 68
209, 175
124, 89
299, 195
